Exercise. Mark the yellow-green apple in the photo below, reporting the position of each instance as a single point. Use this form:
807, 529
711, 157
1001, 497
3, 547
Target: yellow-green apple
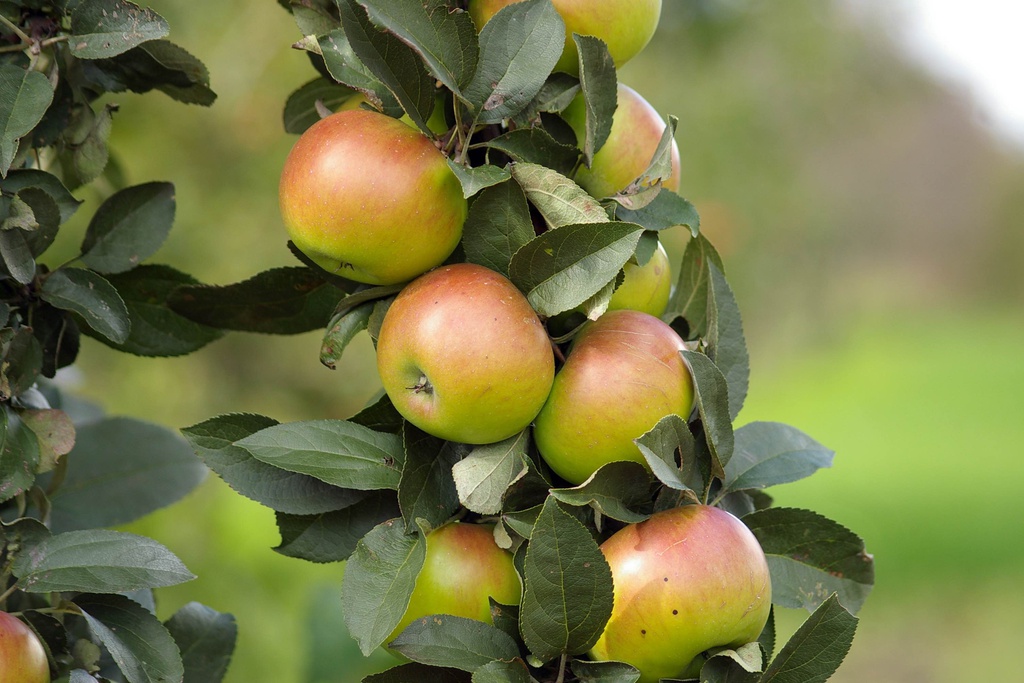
636, 130
623, 373
368, 197
462, 569
685, 580
22, 657
463, 356
626, 26
645, 288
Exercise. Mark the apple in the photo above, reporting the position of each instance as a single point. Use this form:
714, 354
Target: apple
623, 374
645, 288
626, 26
685, 580
636, 131
22, 657
463, 356
462, 569
368, 197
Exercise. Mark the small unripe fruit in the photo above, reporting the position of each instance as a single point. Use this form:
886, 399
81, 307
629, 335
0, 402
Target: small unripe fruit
645, 288
22, 657
626, 26
463, 568
622, 375
368, 197
463, 356
637, 128
685, 580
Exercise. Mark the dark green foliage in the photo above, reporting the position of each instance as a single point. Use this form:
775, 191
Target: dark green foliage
65, 474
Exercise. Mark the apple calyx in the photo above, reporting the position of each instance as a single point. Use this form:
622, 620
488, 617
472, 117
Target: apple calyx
423, 386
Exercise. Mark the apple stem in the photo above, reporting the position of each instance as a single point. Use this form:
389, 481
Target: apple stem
558, 352
561, 669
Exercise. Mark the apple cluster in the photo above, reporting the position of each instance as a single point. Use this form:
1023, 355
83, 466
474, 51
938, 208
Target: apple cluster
464, 356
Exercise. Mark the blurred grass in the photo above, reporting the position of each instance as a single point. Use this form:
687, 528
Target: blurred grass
871, 234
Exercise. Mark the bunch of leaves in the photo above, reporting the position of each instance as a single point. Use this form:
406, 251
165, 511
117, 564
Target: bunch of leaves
67, 472
368, 489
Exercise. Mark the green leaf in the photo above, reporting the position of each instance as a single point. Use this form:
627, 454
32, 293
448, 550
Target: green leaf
535, 145
300, 110
647, 187
817, 648
671, 454
391, 61
341, 330
281, 490
559, 200
615, 490
456, 642
312, 18
341, 453
19, 179
562, 268
155, 65
98, 561
105, 28
206, 639
712, 394
483, 476
604, 672
666, 210
90, 296
771, 453
426, 490
133, 467
740, 665
157, 330
726, 344
344, 66
380, 415
690, 297
497, 226
503, 672
45, 218
767, 637
55, 434
599, 85
129, 227
59, 336
378, 582
17, 255
568, 586
475, 179
141, 646
278, 301
24, 98
418, 672
332, 536
811, 557
89, 153
519, 47
21, 364
444, 39
19, 455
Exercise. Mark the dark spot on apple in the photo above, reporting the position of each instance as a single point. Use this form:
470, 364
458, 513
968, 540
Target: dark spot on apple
666, 579
675, 612
643, 632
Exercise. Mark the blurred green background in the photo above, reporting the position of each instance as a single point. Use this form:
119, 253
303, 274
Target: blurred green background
870, 227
